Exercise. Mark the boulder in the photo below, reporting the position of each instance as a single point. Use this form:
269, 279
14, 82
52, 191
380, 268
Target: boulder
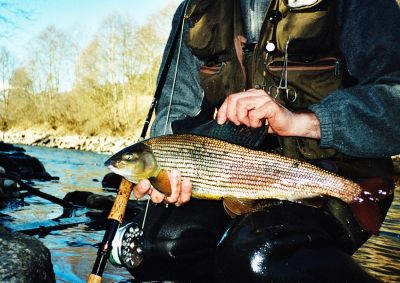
9, 147
24, 166
8, 188
24, 259
111, 180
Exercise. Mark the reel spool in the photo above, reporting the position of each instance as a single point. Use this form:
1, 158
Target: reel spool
128, 246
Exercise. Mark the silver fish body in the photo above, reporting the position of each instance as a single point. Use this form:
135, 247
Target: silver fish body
218, 169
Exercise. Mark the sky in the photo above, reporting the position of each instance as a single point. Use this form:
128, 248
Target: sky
81, 18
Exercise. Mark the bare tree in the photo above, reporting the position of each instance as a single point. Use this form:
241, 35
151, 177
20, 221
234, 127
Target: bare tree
7, 62
50, 61
10, 14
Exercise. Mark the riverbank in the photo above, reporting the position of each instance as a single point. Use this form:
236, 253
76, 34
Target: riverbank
102, 144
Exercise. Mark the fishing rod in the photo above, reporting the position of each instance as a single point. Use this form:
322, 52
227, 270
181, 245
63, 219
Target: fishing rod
115, 218
116, 215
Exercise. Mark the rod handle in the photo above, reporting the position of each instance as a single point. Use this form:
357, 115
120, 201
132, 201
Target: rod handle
94, 279
118, 210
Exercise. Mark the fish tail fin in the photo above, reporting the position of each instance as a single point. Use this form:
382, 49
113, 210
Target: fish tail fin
365, 208
368, 216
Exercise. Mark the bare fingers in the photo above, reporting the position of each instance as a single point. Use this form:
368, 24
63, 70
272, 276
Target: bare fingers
141, 189
186, 192
236, 107
176, 186
144, 188
181, 190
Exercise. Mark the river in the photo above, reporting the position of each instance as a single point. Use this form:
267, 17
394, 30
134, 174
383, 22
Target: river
73, 250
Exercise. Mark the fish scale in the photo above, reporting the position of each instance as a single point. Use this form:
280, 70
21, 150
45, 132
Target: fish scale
218, 169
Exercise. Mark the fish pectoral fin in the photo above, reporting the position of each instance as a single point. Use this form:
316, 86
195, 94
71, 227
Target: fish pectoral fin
234, 206
161, 182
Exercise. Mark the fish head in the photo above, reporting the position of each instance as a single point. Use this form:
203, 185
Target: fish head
134, 163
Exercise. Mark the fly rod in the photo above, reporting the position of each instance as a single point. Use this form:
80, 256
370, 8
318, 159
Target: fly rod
115, 218
116, 215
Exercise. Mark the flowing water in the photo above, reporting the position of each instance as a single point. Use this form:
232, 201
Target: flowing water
73, 250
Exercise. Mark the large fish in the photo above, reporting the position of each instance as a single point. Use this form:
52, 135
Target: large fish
222, 170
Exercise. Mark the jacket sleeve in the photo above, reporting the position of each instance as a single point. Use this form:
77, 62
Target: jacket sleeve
182, 94
364, 120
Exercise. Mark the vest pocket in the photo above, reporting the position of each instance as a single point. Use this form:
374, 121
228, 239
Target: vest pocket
308, 27
312, 80
220, 80
323, 64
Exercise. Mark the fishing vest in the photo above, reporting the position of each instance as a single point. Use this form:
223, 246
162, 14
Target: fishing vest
314, 65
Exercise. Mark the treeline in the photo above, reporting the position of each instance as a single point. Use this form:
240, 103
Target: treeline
110, 81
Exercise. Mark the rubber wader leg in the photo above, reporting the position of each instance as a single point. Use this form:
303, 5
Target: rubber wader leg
285, 243
181, 241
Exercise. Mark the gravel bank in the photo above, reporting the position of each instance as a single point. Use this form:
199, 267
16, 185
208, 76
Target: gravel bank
104, 144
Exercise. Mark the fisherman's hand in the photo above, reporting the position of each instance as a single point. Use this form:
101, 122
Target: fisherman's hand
255, 107
181, 190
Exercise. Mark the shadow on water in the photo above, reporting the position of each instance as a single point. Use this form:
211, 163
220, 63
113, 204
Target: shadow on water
74, 249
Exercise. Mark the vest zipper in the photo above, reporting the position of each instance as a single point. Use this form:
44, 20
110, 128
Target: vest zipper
323, 64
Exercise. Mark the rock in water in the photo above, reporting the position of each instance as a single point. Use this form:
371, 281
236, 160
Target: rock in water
25, 166
24, 259
10, 147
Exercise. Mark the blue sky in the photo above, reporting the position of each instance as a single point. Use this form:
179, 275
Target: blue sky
82, 17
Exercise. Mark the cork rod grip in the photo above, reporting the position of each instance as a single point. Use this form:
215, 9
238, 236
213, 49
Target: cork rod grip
118, 210
94, 279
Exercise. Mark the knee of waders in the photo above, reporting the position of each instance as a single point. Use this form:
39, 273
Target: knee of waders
179, 243
285, 243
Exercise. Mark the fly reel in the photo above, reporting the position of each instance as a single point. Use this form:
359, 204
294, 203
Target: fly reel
128, 246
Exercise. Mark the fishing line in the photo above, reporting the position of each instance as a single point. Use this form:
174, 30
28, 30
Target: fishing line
176, 69
172, 90
145, 213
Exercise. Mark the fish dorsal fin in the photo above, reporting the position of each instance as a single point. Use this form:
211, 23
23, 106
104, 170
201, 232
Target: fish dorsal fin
234, 206
240, 135
161, 182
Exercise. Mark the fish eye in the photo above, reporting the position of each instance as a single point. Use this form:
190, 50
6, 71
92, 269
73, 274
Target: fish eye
130, 156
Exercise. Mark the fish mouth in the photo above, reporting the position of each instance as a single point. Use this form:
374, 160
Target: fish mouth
109, 162
112, 162
123, 173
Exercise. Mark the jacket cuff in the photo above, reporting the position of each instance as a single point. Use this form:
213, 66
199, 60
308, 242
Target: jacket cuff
326, 124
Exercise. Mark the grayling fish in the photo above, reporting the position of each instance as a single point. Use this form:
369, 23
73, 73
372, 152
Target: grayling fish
222, 170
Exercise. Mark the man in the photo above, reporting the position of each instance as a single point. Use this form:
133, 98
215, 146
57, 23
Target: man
324, 76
